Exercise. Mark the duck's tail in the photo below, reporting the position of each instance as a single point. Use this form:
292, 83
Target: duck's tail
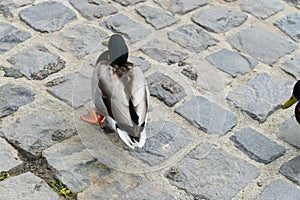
130, 141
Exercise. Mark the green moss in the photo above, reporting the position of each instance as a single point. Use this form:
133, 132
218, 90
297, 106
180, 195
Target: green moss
4, 175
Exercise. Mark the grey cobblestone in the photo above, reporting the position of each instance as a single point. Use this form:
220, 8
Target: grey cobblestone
156, 17
262, 9
45, 63
26, 186
132, 30
214, 68
140, 62
165, 139
292, 66
6, 6
129, 2
165, 89
16, 3
293, 2
71, 40
73, 89
200, 112
8, 154
262, 44
204, 180
163, 51
290, 169
47, 16
181, 7
5, 11
231, 62
190, 72
94, 9
278, 190
219, 19
192, 38
260, 102
289, 132
73, 164
37, 131
12, 97
290, 25
257, 146
11, 36
126, 186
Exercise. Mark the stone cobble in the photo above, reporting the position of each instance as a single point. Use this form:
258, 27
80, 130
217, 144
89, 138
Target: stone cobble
262, 44
257, 146
45, 63
165, 88
163, 143
11, 36
259, 102
129, 28
262, 9
218, 72
219, 19
26, 186
71, 40
231, 62
47, 16
199, 41
291, 66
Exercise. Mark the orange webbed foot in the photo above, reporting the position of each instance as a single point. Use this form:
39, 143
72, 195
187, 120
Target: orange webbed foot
93, 117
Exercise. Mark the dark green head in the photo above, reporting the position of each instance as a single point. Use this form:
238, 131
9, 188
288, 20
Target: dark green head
118, 51
296, 90
295, 96
296, 93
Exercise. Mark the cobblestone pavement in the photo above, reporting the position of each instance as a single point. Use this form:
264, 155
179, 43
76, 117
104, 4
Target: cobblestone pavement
218, 72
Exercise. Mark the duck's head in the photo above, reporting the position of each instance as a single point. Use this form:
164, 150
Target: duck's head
117, 50
295, 96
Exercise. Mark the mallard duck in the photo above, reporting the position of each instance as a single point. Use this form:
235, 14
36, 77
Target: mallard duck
294, 98
120, 94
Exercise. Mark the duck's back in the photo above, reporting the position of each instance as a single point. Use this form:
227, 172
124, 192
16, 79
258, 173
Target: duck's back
123, 96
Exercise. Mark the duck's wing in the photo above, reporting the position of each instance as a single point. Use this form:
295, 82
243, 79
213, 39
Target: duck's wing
99, 70
131, 100
109, 93
124, 99
139, 96
100, 74
138, 108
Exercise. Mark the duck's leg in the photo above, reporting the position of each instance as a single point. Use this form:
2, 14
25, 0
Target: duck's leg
93, 117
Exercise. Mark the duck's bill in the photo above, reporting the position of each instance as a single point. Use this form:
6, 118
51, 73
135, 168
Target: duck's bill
290, 102
105, 43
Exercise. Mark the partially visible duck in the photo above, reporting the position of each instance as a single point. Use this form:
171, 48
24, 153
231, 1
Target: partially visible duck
294, 98
120, 94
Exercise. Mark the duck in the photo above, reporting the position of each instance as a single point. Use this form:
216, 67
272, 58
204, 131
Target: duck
293, 99
120, 94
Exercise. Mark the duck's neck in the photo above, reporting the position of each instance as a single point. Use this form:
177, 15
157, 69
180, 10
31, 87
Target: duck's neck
121, 70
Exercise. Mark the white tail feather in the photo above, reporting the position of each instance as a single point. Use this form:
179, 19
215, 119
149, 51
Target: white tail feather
125, 137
